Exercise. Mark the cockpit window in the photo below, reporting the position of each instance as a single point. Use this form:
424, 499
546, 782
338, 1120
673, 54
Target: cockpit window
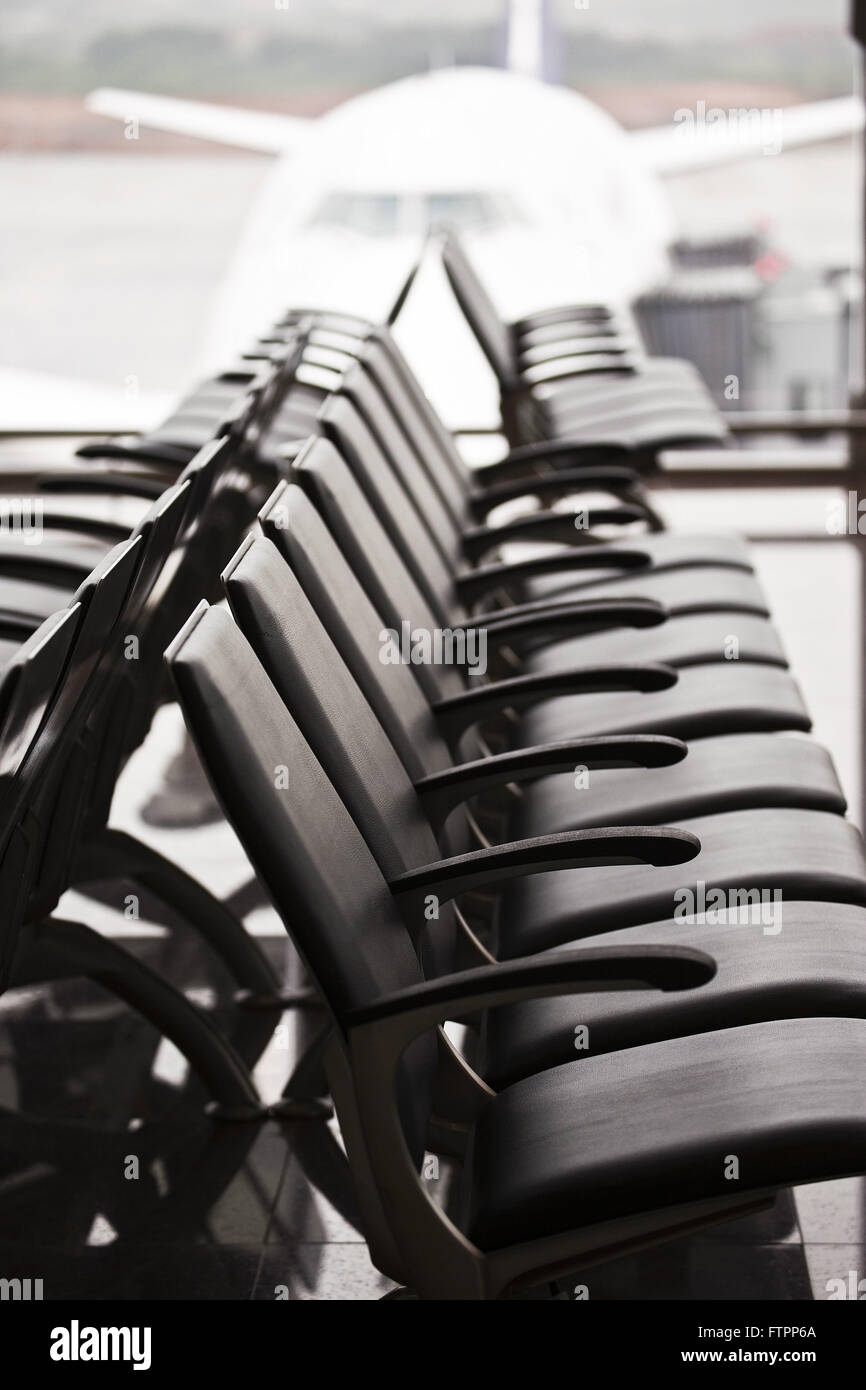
470, 210
368, 213
409, 214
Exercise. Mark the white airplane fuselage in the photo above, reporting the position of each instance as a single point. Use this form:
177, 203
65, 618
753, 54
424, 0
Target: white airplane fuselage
544, 184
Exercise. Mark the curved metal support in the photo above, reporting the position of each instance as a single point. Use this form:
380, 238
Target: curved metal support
115, 854
58, 949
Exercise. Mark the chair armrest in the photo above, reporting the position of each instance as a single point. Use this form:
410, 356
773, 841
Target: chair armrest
100, 480
564, 313
611, 478
476, 583
560, 527
552, 334
577, 618
111, 531
540, 607
60, 566
378, 1034
593, 364
570, 453
440, 792
576, 346
458, 712
482, 869
165, 455
431, 1002
520, 463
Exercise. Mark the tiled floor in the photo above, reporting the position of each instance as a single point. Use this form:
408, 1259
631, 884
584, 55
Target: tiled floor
238, 1211
113, 1184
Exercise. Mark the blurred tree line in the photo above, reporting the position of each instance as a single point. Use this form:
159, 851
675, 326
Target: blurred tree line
233, 65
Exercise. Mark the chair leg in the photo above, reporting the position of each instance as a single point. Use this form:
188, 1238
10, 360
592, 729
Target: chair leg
305, 1091
57, 949
315, 1147
114, 854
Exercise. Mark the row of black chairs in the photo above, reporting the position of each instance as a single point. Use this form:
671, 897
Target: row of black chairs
602, 759
85, 624
628, 1073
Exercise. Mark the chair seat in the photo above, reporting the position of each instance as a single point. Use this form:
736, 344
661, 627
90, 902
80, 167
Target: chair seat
799, 854
646, 428
692, 640
680, 590
686, 573
58, 548
27, 603
115, 508
815, 966
735, 772
654, 382
571, 387
636, 1131
706, 700
636, 414
672, 372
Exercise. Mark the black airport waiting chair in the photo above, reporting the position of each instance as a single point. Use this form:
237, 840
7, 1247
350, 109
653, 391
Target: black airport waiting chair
713, 697
727, 772
654, 403
561, 1168
64, 668
429, 540
757, 977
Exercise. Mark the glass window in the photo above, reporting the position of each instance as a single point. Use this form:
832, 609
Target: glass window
372, 214
470, 210
390, 214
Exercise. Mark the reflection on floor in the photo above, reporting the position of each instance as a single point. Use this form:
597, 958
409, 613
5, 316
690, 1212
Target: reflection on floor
113, 1184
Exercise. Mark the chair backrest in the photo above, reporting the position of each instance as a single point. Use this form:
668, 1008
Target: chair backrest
293, 524
59, 779
174, 545
159, 529
201, 474
403, 292
121, 718
280, 365
376, 348
445, 520
306, 669
46, 799
431, 571
299, 404
216, 517
117, 663
101, 596
299, 836
368, 549
493, 334
412, 412
417, 417
187, 551
30, 686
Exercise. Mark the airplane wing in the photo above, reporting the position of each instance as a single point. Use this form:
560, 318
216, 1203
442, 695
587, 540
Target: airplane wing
705, 135
264, 131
